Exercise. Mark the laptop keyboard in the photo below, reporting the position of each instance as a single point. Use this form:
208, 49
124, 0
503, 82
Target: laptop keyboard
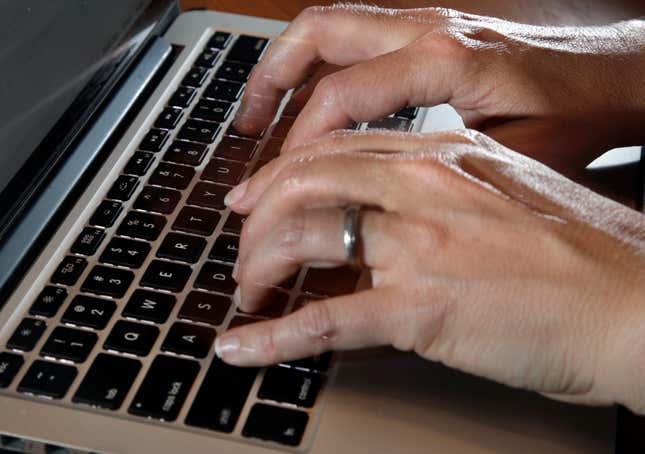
128, 320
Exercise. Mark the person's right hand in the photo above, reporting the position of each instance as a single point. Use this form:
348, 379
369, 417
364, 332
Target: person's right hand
562, 95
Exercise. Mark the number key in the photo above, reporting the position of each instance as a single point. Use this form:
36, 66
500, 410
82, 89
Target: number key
124, 252
89, 311
142, 225
68, 343
103, 280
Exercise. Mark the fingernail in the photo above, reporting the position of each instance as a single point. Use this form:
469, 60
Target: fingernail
235, 268
237, 296
236, 194
226, 345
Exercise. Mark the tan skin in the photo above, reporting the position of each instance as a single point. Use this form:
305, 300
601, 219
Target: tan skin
480, 257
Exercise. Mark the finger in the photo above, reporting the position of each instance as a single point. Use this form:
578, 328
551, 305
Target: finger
360, 320
302, 94
307, 237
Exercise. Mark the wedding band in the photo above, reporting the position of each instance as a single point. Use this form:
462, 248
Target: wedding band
351, 236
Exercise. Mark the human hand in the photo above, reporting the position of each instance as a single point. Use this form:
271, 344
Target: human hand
480, 258
562, 95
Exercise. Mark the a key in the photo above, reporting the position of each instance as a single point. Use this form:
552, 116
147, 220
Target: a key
68, 343
221, 397
224, 90
235, 149
274, 306
180, 247
195, 77
106, 214
69, 270
330, 281
166, 276
291, 386
49, 379
225, 248
208, 195
196, 220
219, 40
172, 175
408, 112
224, 172
247, 49
165, 387
142, 225
189, 153
48, 301
216, 277
283, 127
139, 163
210, 110
272, 149
168, 118
107, 381
89, 311
281, 425
104, 280
88, 241
234, 223
319, 363
182, 97
27, 334
233, 71
154, 140
207, 59
391, 124
199, 131
124, 252
123, 188
134, 338
10, 365
205, 307
151, 306
188, 339
157, 200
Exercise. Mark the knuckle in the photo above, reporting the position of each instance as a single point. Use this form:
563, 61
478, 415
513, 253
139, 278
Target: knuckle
316, 321
291, 232
326, 90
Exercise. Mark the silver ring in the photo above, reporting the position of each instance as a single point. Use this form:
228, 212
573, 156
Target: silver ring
351, 236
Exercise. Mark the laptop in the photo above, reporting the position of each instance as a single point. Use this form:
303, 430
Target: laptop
116, 252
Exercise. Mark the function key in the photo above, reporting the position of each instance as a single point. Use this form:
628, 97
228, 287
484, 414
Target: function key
88, 241
183, 248
139, 163
49, 301
291, 386
248, 49
106, 214
278, 424
89, 311
195, 77
225, 248
124, 252
208, 58
223, 171
205, 307
48, 379
196, 220
134, 338
210, 110
216, 277
172, 175
408, 112
107, 382
330, 281
208, 195
189, 153
283, 127
104, 280
234, 223
157, 200
151, 306
199, 131
188, 339
391, 124
10, 364
224, 90
142, 225
235, 149
154, 140
27, 335
166, 276
165, 387
123, 188
71, 344
168, 118
69, 270
219, 40
235, 72
182, 97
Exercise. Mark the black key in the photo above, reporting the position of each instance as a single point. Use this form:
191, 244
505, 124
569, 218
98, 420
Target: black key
225, 248
189, 153
272, 149
195, 77
10, 364
139, 163
166, 276
27, 335
221, 396
152, 306
391, 124
168, 118
88, 241
154, 140
235, 149
142, 225
106, 214
48, 379
319, 363
165, 388
196, 220
241, 321
282, 128
235, 72
234, 223
69, 270
188, 339
248, 49
199, 131
282, 425
124, 252
107, 381
224, 90
172, 175
223, 171
219, 40
183, 248
157, 200
205, 307
134, 338
291, 386
209, 195
182, 97
67, 343
49, 301
89, 311
123, 188
104, 280
216, 277
330, 281
208, 58
408, 112
210, 110
274, 306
